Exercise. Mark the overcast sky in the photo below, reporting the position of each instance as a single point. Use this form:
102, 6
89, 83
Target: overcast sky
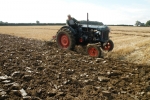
56, 11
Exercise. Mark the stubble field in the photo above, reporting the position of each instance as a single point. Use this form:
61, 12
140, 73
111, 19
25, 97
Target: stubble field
131, 44
31, 68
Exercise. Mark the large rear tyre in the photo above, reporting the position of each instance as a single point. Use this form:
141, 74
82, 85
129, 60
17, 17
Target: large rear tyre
108, 46
93, 51
65, 39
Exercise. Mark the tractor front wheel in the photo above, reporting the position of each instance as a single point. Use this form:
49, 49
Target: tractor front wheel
93, 51
108, 46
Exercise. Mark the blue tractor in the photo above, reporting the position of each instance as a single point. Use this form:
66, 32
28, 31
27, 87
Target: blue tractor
94, 37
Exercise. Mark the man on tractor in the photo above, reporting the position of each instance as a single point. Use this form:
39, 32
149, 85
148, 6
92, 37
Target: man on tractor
72, 22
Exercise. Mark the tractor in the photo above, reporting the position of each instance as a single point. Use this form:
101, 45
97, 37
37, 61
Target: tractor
94, 38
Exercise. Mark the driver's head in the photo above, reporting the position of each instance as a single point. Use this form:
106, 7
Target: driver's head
69, 16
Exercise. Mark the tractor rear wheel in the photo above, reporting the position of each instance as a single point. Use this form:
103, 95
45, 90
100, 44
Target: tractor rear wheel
93, 51
65, 39
108, 46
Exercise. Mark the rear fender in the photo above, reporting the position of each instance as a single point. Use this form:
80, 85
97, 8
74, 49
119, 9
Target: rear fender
70, 28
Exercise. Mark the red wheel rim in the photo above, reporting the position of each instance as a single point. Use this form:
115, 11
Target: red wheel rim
92, 52
64, 41
107, 46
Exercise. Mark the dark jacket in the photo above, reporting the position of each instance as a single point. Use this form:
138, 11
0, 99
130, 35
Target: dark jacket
75, 21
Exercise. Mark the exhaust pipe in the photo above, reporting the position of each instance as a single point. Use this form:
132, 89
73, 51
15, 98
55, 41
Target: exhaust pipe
87, 22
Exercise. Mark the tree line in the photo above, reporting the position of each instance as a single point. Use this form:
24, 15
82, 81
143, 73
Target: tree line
29, 24
138, 23
38, 23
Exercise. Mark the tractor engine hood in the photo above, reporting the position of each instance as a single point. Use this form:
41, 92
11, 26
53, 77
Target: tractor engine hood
97, 27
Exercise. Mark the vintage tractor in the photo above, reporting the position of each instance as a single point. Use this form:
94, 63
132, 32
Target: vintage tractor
95, 38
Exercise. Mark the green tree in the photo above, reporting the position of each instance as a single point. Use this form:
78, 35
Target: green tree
137, 23
1, 21
148, 23
142, 24
37, 22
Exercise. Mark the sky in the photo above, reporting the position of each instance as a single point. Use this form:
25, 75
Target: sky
56, 11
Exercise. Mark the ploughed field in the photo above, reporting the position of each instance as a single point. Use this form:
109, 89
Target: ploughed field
37, 70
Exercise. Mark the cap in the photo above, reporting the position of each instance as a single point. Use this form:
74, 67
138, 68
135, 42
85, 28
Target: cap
69, 15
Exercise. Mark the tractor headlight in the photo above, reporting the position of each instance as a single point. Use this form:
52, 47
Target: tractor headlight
98, 32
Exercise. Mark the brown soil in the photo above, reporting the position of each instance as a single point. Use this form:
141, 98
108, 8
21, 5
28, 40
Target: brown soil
36, 70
